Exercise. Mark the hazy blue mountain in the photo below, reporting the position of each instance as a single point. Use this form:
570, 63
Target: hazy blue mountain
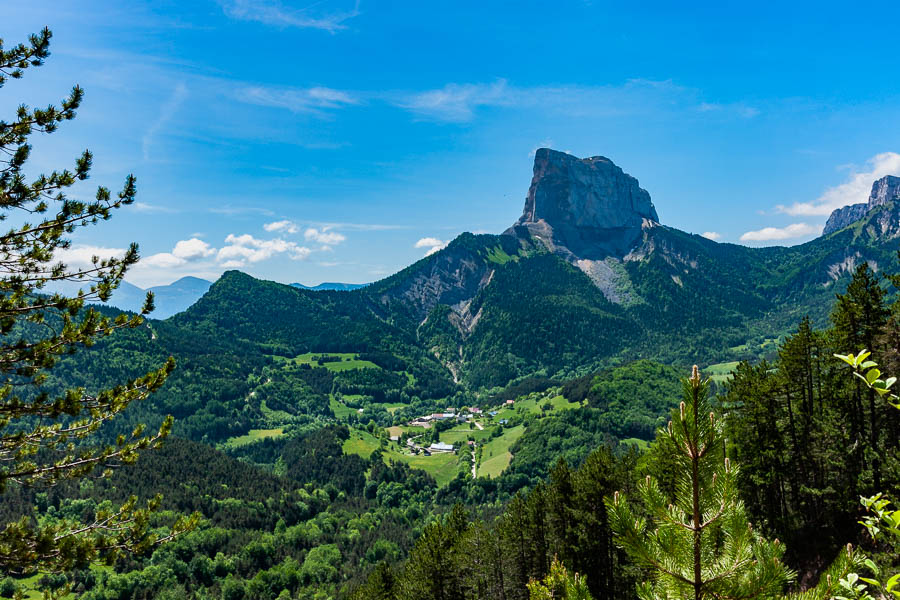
169, 299
177, 296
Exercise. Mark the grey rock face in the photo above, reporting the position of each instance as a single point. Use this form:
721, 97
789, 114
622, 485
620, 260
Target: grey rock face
843, 217
884, 190
584, 208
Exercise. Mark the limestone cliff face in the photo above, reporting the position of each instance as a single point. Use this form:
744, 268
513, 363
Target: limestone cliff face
884, 191
584, 208
847, 215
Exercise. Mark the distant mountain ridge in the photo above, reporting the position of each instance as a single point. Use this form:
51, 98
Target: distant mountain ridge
586, 278
169, 299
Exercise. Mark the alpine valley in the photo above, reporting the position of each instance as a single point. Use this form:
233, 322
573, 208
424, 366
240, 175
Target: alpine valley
449, 430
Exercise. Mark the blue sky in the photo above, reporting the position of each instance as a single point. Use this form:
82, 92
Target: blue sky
341, 140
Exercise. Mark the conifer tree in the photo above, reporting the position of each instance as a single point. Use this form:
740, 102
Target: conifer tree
559, 584
45, 437
702, 545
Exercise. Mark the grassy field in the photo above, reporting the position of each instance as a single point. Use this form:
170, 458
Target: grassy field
495, 454
29, 584
348, 362
362, 443
492, 467
273, 417
461, 433
442, 466
721, 372
642, 445
534, 406
340, 410
252, 436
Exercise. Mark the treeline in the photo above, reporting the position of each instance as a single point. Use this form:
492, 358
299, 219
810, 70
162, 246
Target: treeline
307, 534
811, 439
459, 556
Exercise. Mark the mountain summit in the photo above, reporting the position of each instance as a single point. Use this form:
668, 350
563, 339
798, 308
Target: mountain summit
884, 190
585, 278
586, 208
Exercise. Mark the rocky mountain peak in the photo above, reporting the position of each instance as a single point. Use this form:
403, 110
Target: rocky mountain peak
884, 190
584, 207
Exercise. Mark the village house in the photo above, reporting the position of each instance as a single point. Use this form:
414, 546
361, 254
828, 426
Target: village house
440, 447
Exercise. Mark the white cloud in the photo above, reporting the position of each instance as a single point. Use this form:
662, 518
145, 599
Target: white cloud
79, 256
712, 235
323, 236
853, 191
286, 226
272, 12
162, 260
246, 248
433, 244
192, 249
794, 230
308, 100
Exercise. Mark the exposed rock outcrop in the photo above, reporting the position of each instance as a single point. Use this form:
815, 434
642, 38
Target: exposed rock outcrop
847, 215
885, 190
584, 208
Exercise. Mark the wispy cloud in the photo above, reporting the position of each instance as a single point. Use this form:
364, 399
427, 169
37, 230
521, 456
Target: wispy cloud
712, 235
459, 102
741, 109
272, 12
360, 226
166, 112
455, 102
231, 211
768, 234
143, 207
855, 190
315, 100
